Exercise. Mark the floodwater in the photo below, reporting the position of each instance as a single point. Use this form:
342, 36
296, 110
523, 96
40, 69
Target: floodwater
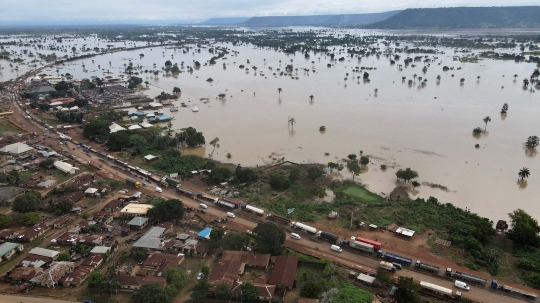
428, 128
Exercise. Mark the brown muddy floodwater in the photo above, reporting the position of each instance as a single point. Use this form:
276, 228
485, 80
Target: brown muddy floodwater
428, 128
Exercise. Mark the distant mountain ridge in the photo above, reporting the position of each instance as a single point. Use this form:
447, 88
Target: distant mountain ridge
463, 17
225, 21
319, 20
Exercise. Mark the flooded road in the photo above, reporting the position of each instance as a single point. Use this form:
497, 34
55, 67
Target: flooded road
425, 127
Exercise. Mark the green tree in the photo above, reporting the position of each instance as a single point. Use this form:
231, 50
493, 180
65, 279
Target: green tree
223, 292
95, 279
477, 131
235, 241
354, 168
63, 257
294, 175
167, 210
245, 175
27, 202
366, 75
46, 163
138, 254
364, 160
30, 218
314, 173
191, 137
176, 90
279, 90
176, 278
249, 292
407, 175
199, 290
407, 290
311, 289
269, 238
151, 293
5, 220
119, 140
524, 229
383, 276
216, 234
279, 179
348, 293
96, 129
219, 174
205, 270
64, 207
532, 142
215, 144
524, 173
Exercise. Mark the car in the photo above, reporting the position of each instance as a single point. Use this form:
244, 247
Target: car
295, 236
217, 220
144, 183
203, 211
200, 276
231, 215
159, 190
203, 206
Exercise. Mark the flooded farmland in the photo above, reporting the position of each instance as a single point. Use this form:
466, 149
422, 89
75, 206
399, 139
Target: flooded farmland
426, 127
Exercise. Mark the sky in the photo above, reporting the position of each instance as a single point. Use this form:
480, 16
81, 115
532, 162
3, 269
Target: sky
30, 12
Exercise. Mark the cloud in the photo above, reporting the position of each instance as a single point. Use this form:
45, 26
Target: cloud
66, 11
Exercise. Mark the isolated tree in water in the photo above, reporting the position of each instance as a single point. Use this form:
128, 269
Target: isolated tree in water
524, 173
486, 120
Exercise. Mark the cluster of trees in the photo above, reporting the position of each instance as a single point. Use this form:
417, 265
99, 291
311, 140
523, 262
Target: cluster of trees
103, 284
153, 293
220, 174
167, 210
11, 177
27, 202
133, 82
70, 117
99, 128
283, 179
406, 175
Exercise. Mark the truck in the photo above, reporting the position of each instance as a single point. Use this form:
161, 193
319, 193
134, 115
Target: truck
236, 203
279, 219
437, 291
184, 191
361, 246
133, 183
388, 266
376, 245
394, 258
513, 290
465, 276
328, 237
207, 198
304, 227
431, 268
252, 209
172, 182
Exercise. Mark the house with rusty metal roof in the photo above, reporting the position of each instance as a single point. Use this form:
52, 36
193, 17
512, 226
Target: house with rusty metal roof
155, 260
53, 274
25, 273
248, 258
284, 272
77, 276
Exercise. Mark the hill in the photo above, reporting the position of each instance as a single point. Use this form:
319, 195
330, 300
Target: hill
225, 21
463, 17
319, 20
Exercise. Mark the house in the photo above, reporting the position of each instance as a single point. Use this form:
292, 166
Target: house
42, 90
16, 149
204, 234
284, 272
135, 210
90, 240
8, 249
138, 223
6, 234
77, 276
100, 250
85, 224
62, 100
115, 128
130, 283
103, 217
72, 197
91, 192
35, 261
226, 273
46, 184
65, 167
152, 239
48, 253
149, 158
32, 233
60, 222
155, 260
190, 245
38, 176
50, 277
25, 273
93, 260
248, 258
168, 226
113, 205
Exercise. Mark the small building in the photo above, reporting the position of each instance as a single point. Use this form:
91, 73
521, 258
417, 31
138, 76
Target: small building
204, 234
42, 90
9, 249
62, 100
93, 260
103, 217
266, 292
77, 276
73, 197
100, 250
155, 260
168, 226
284, 272
6, 234
46, 184
50, 277
60, 222
113, 205
138, 223
48, 253
91, 192
152, 239
307, 300
32, 233
65, 167
115, 128
35, 261
16, 149
135, 210
131, 283
25, 273
248, 258
149, 158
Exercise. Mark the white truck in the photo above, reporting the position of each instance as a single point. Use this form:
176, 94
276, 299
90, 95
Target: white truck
388, 266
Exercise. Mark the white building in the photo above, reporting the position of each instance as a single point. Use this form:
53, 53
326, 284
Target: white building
18, 148
115, 128
65, 167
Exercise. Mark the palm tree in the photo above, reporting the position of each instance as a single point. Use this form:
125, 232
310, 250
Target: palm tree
515, 76
311, 98
439, 78
292, 121
478, 79
414, 77
525, 82
462, 80
524, 173
486, 120
279, 90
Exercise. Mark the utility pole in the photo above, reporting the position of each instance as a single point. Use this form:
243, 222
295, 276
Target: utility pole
351, 219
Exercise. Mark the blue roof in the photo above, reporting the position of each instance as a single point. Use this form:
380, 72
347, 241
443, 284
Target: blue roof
9, 246
205, 233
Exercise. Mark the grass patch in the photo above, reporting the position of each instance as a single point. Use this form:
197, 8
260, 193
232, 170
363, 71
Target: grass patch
7, 129
359, 193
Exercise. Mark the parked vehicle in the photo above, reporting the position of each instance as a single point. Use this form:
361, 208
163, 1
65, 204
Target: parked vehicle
295, 236
159, 190
336, 248
428, 267
368, 280
439, 291
328, 237
361, 246
388, 266
376, 245
394, 258
203, 206
231, 215
278, 219
398, 266
226, 204
252, 209
465, 276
